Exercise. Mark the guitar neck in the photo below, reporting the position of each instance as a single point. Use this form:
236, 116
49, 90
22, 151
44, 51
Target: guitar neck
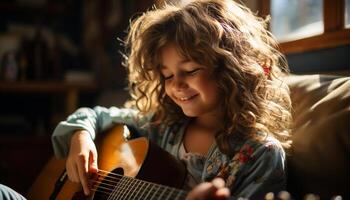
132, 188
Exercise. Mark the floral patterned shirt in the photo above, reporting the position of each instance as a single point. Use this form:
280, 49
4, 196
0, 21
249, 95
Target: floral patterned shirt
252, 170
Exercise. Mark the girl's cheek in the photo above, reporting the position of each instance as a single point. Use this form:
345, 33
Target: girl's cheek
166, 90
168, 93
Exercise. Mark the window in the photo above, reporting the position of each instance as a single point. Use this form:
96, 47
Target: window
293, 19
306, 25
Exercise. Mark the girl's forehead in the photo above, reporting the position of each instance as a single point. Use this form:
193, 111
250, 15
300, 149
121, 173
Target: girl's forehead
174, 54
171, 52
172, 47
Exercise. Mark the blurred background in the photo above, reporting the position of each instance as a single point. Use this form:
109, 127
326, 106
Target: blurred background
58, 55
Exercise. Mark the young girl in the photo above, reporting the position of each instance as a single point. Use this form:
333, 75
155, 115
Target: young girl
203, 78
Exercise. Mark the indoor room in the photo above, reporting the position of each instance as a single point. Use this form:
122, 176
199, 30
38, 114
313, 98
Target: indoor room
57, 56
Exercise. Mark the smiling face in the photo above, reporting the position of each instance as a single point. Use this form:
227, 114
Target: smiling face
189, 84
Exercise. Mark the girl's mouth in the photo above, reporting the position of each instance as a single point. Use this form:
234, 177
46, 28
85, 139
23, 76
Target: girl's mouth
187, 98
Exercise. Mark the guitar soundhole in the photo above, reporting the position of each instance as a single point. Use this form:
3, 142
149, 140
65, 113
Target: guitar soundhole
107, 184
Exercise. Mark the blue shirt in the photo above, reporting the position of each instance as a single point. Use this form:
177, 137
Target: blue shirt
254, 168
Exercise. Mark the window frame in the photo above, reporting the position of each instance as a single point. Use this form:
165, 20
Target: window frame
335, 31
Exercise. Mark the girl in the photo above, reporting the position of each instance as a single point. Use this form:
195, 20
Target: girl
203, 79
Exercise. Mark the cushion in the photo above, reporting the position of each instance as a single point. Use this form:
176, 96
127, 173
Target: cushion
319, 159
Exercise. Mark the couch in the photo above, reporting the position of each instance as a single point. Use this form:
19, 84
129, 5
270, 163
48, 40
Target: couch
319, 159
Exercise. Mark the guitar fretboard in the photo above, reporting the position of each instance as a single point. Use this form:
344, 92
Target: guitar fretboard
115, 186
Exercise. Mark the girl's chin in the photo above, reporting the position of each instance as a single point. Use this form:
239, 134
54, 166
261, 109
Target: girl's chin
189, 113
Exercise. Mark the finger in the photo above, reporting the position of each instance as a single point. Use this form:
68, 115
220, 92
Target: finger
72, 172
222, 193
82, 171
93, 162
202, 191
218, 182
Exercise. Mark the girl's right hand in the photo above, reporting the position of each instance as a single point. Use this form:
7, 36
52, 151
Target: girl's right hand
82, 159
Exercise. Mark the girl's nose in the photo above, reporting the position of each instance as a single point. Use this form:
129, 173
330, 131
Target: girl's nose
179, 82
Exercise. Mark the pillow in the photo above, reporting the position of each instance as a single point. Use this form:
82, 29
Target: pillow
319, 159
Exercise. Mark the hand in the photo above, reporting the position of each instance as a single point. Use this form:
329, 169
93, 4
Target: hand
210, 190
82, 159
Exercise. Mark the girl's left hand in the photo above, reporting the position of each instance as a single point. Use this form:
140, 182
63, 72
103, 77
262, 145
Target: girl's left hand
214, 190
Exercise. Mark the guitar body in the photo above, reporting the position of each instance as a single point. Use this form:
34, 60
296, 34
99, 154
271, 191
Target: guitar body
119, 159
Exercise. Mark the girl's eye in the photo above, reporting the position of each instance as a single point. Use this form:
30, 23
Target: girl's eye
192, 72
167, 77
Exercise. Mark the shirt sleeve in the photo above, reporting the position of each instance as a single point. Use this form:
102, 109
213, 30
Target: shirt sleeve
263, 173
94, 120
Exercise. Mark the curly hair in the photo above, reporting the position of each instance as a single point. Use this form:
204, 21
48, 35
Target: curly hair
228, 37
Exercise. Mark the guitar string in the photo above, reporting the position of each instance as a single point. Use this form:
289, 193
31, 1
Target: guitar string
143, 191
106, 186
108, 178
144, 186
109, 186
110, 195
113, 193
123, 189
120, 191
129, 179
156, 194
134, 187
111, 177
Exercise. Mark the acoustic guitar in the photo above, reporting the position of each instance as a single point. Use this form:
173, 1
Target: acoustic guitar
128, 169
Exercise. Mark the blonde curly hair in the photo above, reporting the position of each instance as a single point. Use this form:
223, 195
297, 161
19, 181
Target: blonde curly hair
228, 37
